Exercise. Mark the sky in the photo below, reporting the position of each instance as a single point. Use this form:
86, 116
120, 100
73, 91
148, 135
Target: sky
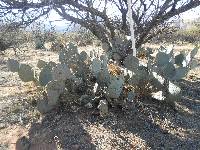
191, 14
56, 19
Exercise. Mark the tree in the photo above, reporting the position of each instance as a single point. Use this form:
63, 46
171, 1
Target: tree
149, 16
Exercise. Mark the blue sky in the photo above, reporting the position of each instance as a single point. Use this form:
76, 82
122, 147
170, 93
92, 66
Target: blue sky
61, 25
191, 14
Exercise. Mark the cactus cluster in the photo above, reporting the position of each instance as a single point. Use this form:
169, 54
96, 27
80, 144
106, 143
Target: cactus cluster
39, 42
90, 79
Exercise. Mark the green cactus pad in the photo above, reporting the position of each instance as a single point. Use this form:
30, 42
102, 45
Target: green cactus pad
131, 96
72, 46
54, 89
62, 56
39, 43
103, 77
26, 73
105, 46
194, 52
69, 55
179, 59
194, 64
181, 72
168, 70
162, 59
61, 72
43, 107
115, 87
96, 66
84, 99
41, 63
45, 75
13, 65
104, 60
83, 56
131, 63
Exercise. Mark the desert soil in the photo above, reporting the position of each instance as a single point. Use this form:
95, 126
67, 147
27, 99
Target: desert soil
144, 125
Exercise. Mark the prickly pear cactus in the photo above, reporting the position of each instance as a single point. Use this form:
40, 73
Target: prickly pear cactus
179, 59
61, 72
103, 108
69, 55
54, 89
168, 70
131, 96
45, 75
43, 106
26, 73
84, 100
83, 56
105, 47
96, 66
41, 63
131, 63
13, 65
103, 77
181, 72
104, 60
39, 42
162, 59
115, 87
82, 70
194, 52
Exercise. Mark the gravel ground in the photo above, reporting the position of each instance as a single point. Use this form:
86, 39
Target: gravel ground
144, 125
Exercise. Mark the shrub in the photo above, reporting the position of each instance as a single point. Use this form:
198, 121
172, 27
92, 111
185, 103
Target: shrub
93, 80
189, 35
11, 36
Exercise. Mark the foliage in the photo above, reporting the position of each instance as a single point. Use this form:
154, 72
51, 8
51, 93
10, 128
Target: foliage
149, 16
191, 35
41, 35
188, 35
92, 80
11, 36
81, 37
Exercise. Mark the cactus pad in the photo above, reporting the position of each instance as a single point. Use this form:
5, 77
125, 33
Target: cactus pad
181, 72
13, 65
54, 89
179, 59
61, 72
168, 70
131, 63
162, 59
115, 88
45, 75
83, 56
26, 73
96, 66
41, 63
